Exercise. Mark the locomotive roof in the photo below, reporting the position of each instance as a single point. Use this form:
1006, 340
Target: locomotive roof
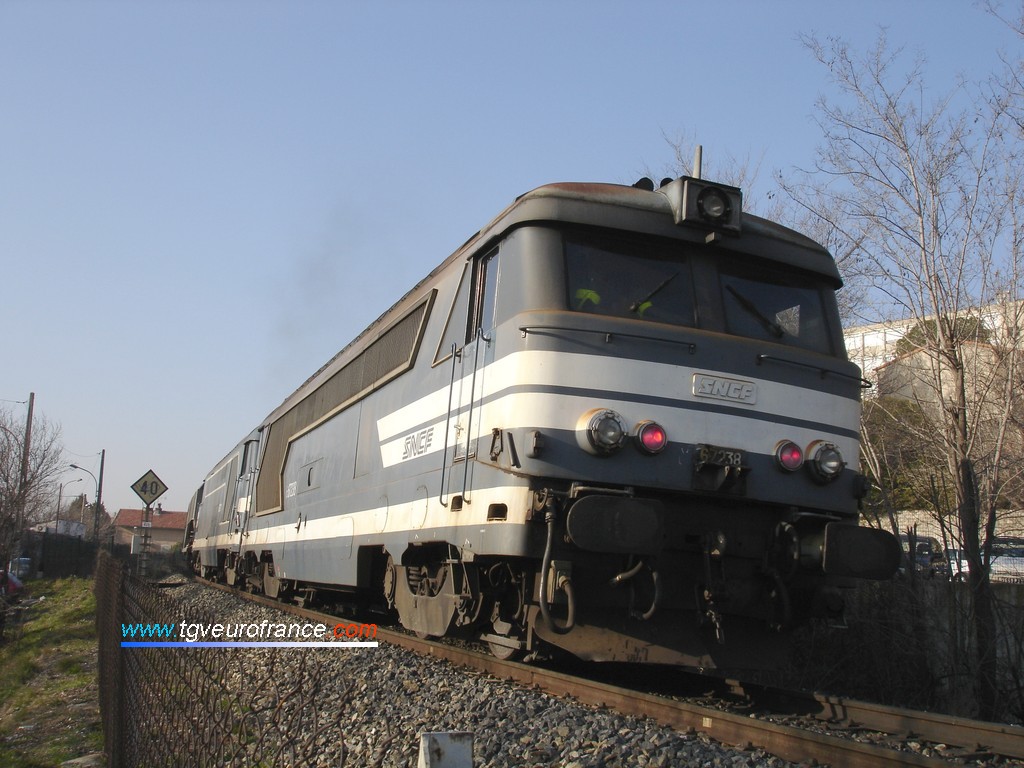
610, 206
634, 209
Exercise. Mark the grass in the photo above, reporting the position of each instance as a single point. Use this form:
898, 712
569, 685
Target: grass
49, 709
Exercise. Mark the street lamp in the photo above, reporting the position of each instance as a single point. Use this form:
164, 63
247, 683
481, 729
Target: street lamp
99, 493
60, 494
97, 482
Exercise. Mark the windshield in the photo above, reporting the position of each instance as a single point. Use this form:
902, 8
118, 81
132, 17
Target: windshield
784, 308
658, 282
641, 282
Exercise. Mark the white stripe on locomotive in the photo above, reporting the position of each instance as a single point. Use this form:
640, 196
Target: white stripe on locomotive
644, 379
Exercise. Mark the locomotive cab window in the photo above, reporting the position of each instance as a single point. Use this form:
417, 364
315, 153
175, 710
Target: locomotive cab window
486, 294
454, 335
478, 288
249, 457
622, 280
782, 308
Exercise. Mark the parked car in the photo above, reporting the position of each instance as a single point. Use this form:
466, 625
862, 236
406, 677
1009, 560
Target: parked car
20, 567
958, 567
1007, 561
928, 559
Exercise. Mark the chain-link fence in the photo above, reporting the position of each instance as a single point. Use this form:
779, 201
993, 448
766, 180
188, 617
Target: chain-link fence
203, 706
911, 642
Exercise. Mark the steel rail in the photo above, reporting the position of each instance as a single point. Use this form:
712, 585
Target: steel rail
785, 741
742, 731
976, 735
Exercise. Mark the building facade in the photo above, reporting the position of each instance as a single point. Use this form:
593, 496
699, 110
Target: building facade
166, 529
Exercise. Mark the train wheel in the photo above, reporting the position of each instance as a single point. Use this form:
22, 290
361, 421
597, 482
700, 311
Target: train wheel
273, 586
426, 581
432, 598
512, 652
505, 640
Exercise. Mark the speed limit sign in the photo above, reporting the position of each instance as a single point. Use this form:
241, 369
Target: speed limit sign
149, 487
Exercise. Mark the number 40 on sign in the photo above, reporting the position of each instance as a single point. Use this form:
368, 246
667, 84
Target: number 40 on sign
149, 487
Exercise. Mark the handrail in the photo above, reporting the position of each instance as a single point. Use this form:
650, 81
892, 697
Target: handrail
469, 421
691, 348
608, 335
864, 383
447, 425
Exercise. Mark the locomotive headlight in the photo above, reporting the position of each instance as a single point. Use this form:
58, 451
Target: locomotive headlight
789, 456
601, 431
713, 205
651, 437
826, 461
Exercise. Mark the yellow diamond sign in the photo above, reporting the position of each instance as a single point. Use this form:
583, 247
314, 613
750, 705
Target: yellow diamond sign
149, 487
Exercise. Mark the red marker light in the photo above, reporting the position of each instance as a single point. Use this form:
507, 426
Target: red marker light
651, 437
789, 456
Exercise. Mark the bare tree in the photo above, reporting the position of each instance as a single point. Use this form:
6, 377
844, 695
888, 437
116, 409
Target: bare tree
742, 172
25, 482
925, 192
1009, 85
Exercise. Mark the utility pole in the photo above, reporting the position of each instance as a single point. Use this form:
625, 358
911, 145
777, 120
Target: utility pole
28, 442
23, 479
99, 498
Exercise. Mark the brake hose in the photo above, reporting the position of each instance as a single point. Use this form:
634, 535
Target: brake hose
564, 585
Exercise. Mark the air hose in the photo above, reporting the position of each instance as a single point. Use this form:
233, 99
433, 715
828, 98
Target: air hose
564, 584
655, 578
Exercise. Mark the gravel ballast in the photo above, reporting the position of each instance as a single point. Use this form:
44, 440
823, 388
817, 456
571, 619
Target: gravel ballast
367, 707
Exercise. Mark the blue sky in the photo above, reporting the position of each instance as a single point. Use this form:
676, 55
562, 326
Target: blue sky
201, 202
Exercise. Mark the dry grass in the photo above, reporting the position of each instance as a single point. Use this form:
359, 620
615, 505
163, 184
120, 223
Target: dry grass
49, 708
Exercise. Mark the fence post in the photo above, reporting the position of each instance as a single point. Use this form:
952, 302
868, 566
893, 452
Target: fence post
109, 607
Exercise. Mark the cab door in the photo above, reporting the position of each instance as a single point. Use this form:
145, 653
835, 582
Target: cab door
244, 487
469, 379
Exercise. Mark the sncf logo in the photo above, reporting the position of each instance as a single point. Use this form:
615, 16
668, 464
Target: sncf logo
418, 443
721, 388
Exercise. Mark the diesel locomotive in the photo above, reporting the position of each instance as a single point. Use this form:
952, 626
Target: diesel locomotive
618, 421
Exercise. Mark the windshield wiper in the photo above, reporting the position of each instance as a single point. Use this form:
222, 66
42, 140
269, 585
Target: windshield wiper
773, 328
635, 306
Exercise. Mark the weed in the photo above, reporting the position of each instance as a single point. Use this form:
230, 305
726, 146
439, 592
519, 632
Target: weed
48, 678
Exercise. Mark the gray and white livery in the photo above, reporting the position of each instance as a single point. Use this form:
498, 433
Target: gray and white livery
618, 421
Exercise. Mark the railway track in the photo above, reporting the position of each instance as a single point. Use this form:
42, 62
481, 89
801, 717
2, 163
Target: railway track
801, 727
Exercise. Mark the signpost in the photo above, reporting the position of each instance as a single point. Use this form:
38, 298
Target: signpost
149, 488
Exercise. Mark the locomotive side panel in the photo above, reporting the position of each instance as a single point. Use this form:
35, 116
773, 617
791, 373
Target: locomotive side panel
377, 472
214, 530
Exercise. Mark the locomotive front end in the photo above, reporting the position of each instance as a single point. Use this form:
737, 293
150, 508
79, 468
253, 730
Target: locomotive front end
691, 430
